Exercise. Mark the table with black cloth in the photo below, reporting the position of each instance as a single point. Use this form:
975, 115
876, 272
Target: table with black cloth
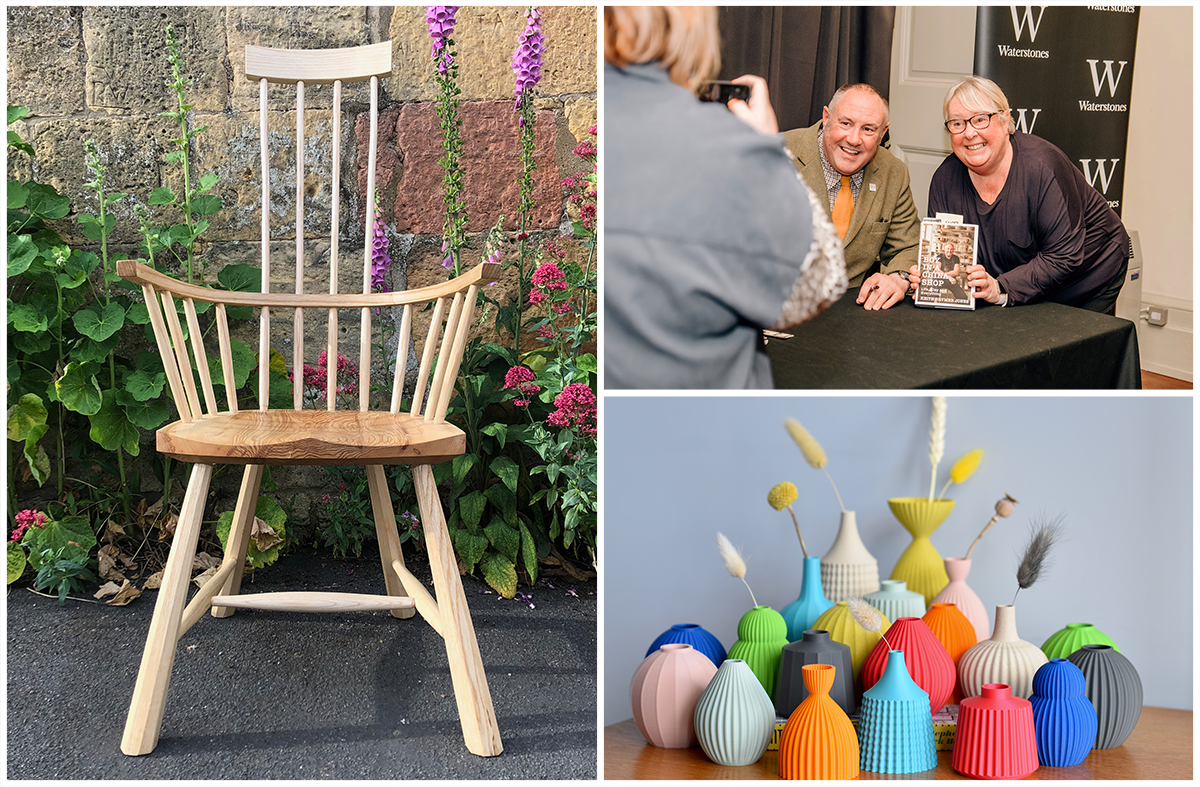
1042, 345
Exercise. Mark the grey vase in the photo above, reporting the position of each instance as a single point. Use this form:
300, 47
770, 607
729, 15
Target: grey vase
814, 647
734, 718
1115, 690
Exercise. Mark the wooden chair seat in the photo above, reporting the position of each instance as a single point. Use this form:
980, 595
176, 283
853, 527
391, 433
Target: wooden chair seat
312, 437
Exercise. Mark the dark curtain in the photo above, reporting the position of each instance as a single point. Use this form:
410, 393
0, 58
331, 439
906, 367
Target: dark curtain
805, 54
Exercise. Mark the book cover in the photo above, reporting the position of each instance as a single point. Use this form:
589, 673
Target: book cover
946, 250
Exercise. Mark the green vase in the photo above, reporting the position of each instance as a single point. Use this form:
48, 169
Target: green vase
1063, 643
921, 567
762, 633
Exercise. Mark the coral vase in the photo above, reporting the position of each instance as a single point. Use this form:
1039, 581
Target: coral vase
818, 741
840, 624
920, 565
926, 658
1064, 721
895, 600
1066, 641
814, 647
694, 635
1114, 689
761, 637
735, 720
955, 633
959, 593
895, 729
664, 693
848, 569
804, 611
995, 736
1004, 658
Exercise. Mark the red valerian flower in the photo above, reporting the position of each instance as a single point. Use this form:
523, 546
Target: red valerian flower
576, 407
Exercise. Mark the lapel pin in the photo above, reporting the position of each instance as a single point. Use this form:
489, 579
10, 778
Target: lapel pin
872, 187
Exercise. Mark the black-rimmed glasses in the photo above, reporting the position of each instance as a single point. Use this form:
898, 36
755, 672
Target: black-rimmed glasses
980, 121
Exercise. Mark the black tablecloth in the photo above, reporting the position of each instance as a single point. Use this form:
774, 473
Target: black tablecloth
1042, 345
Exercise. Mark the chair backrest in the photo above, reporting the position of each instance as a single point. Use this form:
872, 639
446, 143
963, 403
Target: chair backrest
300, 67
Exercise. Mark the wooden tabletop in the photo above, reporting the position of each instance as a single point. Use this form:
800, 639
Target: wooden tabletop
1160, 747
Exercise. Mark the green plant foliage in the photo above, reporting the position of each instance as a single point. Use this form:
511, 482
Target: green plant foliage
16, 562
500, 573
49, 542
269, 511
63, 570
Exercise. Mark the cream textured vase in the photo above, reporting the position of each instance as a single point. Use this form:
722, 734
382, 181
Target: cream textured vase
1005, 658
848, 569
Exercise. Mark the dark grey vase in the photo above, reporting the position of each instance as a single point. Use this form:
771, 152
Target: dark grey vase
1115, 690
814, 647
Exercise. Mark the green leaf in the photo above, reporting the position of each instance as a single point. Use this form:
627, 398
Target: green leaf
504, 500
470, 547
507, 471
113, 197
528, 552
35, 455
268, 511
58, 534
505, 539
27, 413
145, 414
470, 508
498, 430
462, 465
174, 155
161, 196
15, 113
100, 325
16, 561
91, 225
500, 573
587, 362
89, 350
78, 389
244, 362
144, 385
21, 253
17, 194
240, 278
206, 204
138, 314
46, 203
15, 141
30, 344
207, 182
111, 427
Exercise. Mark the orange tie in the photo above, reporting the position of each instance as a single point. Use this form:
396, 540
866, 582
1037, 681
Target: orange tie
843, 208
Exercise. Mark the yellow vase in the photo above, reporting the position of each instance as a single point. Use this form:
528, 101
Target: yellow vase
921, 566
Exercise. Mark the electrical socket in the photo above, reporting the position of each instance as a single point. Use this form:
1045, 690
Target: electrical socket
1154, 315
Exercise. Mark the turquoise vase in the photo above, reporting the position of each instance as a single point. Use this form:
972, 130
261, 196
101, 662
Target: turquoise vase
1064, 720
804, 611
895, 728
761, 637
734, 719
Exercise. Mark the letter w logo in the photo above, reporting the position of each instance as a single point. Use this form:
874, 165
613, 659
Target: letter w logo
1021, 120
1098, 80
1019, 22
1105, 176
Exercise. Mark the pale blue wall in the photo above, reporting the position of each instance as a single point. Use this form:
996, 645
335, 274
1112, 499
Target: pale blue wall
676, 470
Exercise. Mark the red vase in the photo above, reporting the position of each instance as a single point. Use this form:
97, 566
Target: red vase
928, 661
995, 737
956, 634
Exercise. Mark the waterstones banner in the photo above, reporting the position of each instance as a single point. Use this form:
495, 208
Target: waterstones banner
1068, 75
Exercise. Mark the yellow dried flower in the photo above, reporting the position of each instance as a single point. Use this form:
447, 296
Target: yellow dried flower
782, 495
964, 467
808, 446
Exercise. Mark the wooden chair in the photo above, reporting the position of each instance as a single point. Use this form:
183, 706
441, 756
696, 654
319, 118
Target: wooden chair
206, 436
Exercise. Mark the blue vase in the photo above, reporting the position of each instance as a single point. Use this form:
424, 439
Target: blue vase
895, 728
691, 634
734, 718
804, 611
1064, 720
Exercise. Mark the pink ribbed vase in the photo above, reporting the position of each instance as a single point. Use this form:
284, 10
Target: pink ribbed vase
664, 693
959, 593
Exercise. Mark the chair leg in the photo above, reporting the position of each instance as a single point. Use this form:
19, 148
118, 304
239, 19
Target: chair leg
238, 542
475, 711
386, 533
150, 693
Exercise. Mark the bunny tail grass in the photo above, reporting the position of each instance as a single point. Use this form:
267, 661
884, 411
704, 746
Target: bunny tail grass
733, 562
866, 616
1037, 551
937, 439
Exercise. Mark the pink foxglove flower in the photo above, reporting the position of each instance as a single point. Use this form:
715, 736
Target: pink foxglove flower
527, 60
440, 19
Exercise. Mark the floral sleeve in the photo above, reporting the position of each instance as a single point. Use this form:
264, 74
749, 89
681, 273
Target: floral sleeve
822, 276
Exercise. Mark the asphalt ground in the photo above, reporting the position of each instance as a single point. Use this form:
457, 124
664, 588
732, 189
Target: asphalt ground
267, 695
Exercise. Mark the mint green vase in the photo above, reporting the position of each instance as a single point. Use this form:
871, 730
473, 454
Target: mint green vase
762, 633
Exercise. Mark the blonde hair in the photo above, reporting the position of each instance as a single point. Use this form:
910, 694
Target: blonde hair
979, 94
683, 38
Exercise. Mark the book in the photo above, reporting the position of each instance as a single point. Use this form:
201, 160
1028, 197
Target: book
945, 722
947, 248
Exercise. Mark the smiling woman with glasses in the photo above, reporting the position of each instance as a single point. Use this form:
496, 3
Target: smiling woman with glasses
1044, 232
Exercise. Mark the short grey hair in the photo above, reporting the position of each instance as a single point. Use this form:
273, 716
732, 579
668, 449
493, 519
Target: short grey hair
863, 86
979, 94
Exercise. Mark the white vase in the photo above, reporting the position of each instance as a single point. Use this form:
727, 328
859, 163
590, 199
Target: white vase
848, 569
1005, 658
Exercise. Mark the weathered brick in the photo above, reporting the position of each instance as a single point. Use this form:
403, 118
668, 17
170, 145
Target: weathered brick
569, 64
44, 41
581, 115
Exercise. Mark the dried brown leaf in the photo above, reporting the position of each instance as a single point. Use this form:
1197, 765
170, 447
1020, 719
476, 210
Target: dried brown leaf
128, 593
107, 558
167, 528
107, 589
264, 535
154, 582
200, 579
204, 561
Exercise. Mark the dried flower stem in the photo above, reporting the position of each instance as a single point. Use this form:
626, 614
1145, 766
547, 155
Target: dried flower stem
835, 490
991, 522
796, 522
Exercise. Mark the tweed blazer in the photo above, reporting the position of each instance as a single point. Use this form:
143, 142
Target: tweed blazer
885, 225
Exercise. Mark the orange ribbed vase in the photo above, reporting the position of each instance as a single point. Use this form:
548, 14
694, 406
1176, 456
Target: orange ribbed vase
819, 741
955, 632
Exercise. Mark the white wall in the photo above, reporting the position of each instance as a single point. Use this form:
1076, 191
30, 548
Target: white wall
677, 470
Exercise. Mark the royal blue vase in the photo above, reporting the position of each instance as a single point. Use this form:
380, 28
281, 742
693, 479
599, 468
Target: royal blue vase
895, 728
691, 634
804, 611
1064, 720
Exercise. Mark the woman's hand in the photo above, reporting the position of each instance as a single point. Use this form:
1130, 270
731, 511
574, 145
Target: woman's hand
985, 286
758, 114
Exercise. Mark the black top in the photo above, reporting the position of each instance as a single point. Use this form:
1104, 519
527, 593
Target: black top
1049, 235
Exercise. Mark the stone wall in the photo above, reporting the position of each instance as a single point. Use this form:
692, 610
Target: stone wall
100, 73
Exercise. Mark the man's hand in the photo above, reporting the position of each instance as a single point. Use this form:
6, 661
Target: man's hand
914, 276
881, 291
758, 114
985, 286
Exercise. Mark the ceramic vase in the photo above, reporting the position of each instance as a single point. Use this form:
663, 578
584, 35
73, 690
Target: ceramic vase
995, 736
895, 729
1114, 689
814, 647
664, 693
1066, 641
761, 637
895, 600
1064, 721
925, 657
840, 624
818, 741
734, 719
1004, 658
959, 593
848, 569
955, 633
691, 634
920, 565
804, 611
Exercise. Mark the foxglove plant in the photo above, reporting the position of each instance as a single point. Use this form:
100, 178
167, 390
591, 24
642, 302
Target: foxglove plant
440, 19
527, 70
380, 260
